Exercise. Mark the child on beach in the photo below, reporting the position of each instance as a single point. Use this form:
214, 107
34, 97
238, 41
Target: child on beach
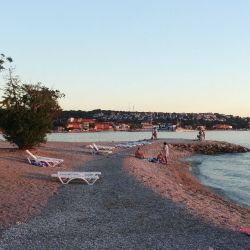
161, 158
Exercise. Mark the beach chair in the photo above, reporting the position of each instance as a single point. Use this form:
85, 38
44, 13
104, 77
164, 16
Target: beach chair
122, 145
132, 144
102, 147
89, 177
41, 160
96, 150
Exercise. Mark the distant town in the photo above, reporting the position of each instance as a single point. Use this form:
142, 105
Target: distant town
104, 120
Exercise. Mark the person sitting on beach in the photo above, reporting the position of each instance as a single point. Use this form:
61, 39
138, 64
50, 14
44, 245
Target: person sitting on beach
201, 135
139, 153
161, 158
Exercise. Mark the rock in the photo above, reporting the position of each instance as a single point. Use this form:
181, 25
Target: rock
211, 148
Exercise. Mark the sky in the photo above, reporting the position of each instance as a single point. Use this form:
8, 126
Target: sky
141, 55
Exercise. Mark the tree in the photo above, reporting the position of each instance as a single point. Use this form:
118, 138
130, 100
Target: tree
27, 112
3, 60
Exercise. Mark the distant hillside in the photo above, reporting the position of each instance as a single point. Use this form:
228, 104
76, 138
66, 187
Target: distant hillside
189, 120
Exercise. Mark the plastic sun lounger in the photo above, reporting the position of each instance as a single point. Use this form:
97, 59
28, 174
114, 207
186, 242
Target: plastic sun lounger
101, 147
52, 162
129, 145
89, 177
96, 150
124, 146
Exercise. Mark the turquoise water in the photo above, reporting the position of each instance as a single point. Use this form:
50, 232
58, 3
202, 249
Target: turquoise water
227, 174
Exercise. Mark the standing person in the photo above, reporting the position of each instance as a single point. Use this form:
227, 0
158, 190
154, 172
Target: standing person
165, 152
203, 134
154, 134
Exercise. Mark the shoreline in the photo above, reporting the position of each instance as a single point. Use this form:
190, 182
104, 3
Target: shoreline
195, 171
184, 188
25, 189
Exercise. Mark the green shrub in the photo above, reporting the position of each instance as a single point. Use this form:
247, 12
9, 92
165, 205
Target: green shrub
27, 112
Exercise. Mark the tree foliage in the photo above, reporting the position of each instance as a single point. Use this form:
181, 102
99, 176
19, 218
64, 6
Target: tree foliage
3, 60
27, 112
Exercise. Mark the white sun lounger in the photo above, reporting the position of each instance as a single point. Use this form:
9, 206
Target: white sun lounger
52, 162
102, 147
132, 144
89, 177
96, 150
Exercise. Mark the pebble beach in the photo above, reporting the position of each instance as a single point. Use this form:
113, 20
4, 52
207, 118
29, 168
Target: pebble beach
135, 205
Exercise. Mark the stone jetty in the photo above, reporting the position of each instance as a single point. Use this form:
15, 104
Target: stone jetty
210, 147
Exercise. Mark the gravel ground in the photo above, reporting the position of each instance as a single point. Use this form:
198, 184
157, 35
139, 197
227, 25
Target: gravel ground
116, 212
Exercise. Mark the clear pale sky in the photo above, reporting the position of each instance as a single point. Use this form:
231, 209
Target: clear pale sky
168, 56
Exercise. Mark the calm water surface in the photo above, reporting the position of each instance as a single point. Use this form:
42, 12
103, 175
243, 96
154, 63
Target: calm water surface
239, 137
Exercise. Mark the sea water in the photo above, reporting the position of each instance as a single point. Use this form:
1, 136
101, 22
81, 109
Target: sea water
227, 174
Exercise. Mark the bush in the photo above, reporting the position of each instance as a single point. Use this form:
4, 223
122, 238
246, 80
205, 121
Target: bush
27, 112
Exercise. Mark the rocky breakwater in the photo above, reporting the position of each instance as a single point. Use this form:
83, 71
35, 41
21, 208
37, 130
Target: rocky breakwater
209, 147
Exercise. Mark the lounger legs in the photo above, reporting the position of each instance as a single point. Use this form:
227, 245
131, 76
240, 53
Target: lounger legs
89, 181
